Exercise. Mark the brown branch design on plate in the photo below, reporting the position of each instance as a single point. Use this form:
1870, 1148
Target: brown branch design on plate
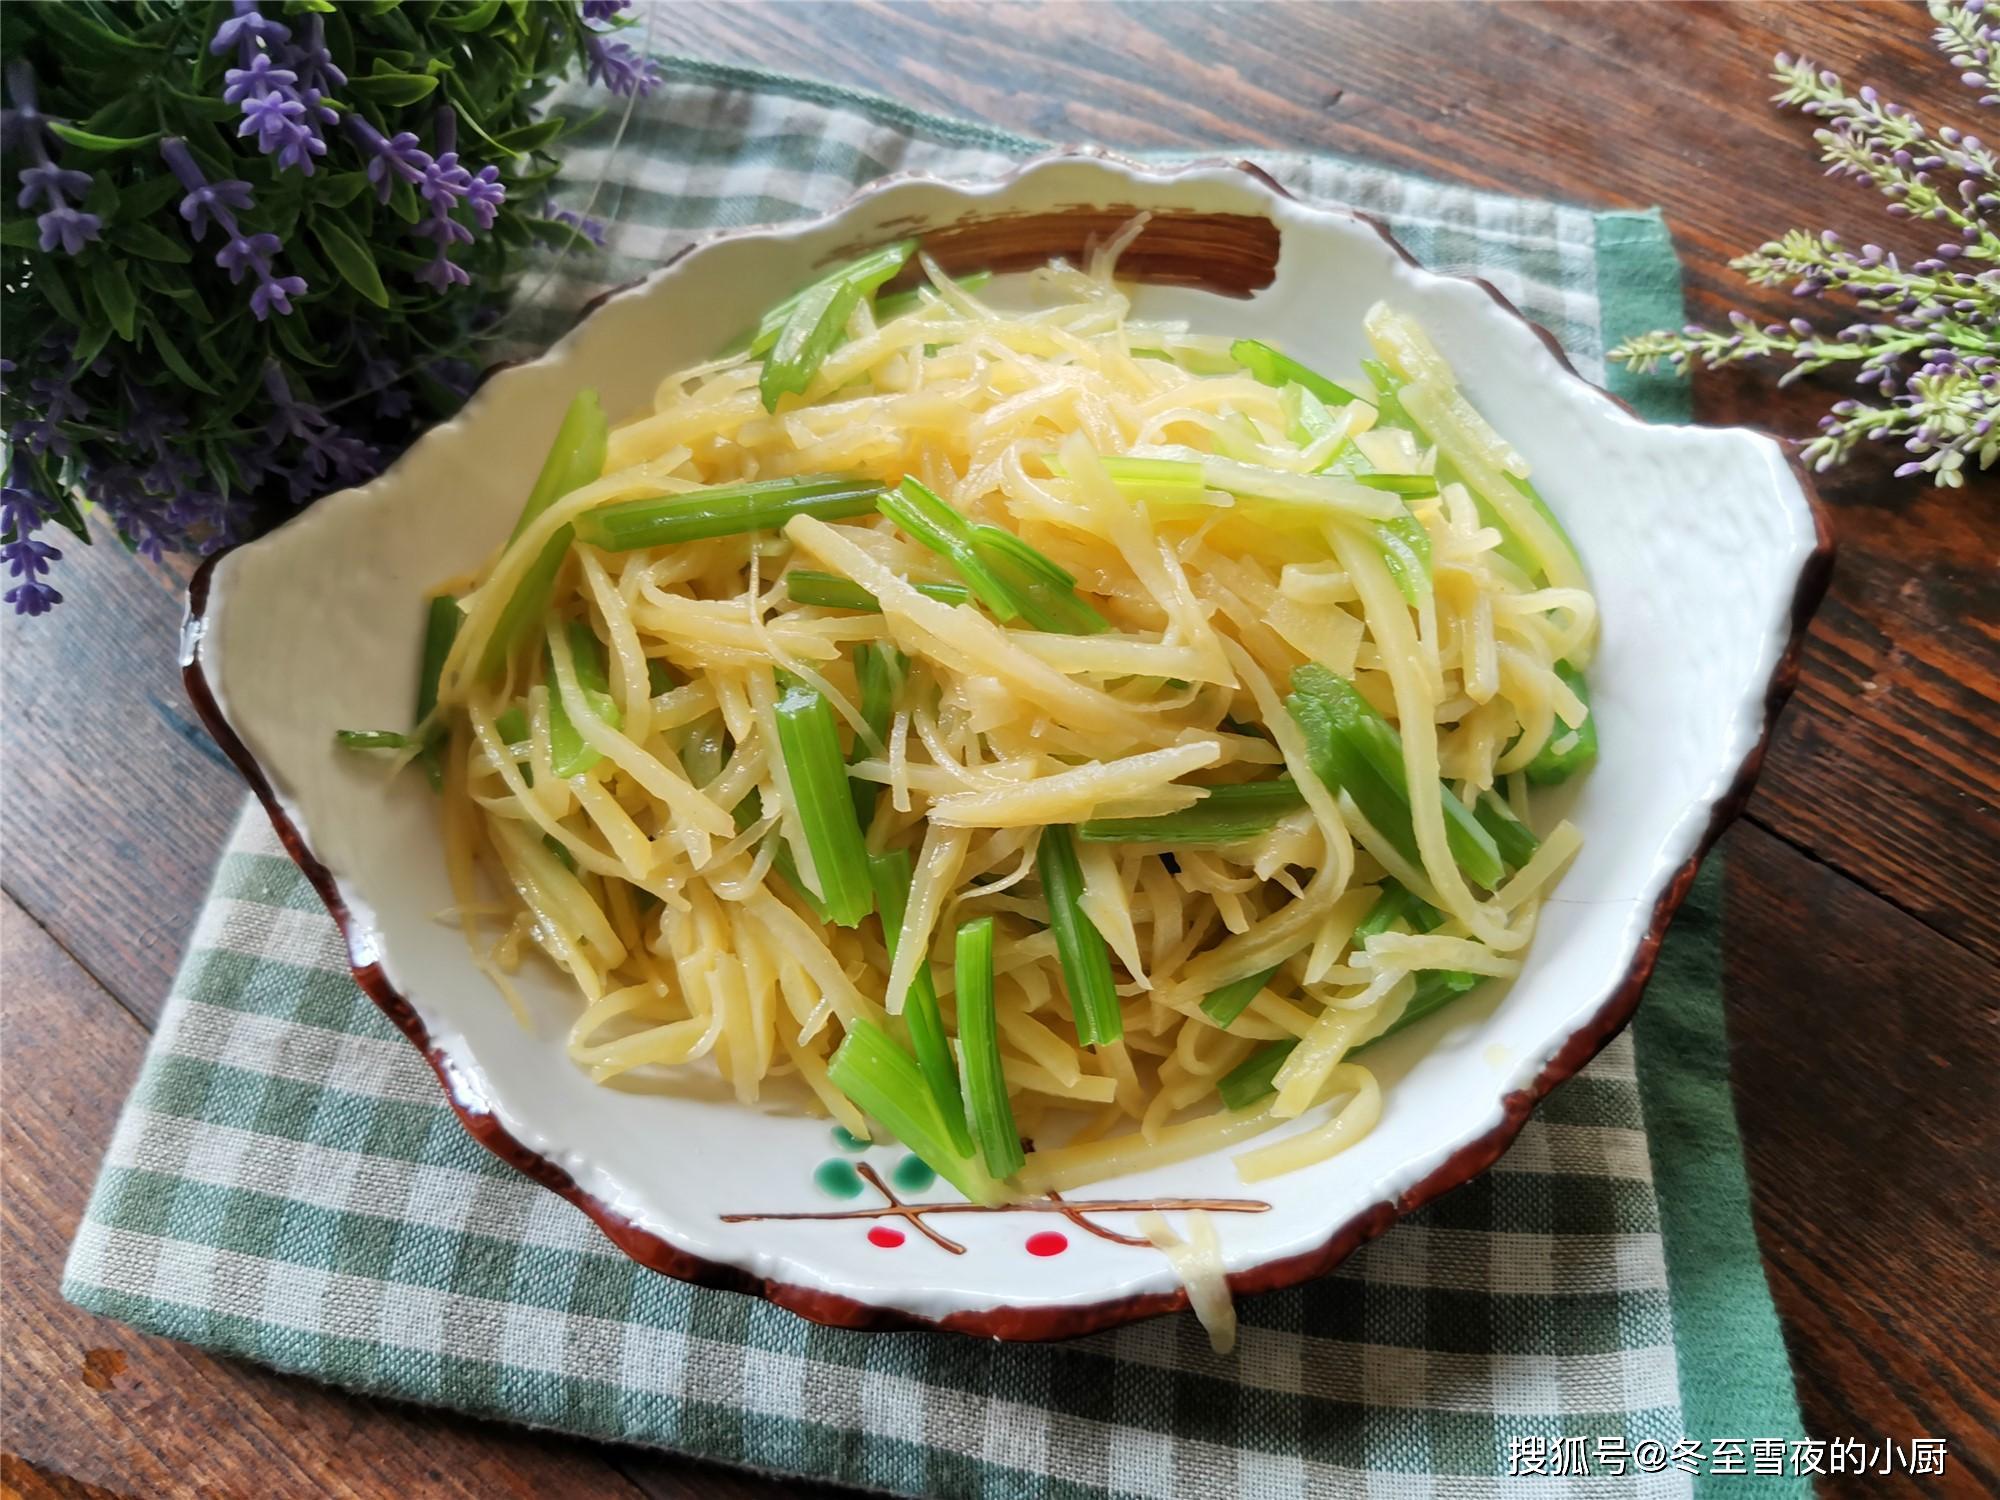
1073, 1210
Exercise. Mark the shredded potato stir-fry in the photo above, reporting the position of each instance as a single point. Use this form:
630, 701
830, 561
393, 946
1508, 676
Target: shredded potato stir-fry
1018, 725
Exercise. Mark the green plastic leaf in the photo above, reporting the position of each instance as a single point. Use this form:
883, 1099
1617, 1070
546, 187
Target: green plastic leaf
90, 344
74, 23
20, 234
113, 292
351, 259
296, 343
403, 201
146, 241
534, 137
54, 284
141, 200
173, 359
199, 107
102, 199
475, 19
90, 141
396, 90
338, 189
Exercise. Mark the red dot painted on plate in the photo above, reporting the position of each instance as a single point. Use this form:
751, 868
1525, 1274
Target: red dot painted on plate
1048, 1242
884, 1236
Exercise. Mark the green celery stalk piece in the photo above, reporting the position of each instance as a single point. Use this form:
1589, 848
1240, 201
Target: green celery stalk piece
748, 811
831, 591
1390, 412
1251, 1079
1151, 473
701, 749
1356, 750
884, 1083
810, 745
1086, 963
724, 510
1395, 904
1435, 989
567, 750
574, 460
1224, 1005
1309, 420
979, 1050
372, 739
1399, 484
1388, 405
890, 875
441, 622
1227, 815
928, 518
1404, 544
1568, 751
1275, 369
773, 322
1534, 497
879, 668
1513, 838
1045, 591
818, 322
894, 304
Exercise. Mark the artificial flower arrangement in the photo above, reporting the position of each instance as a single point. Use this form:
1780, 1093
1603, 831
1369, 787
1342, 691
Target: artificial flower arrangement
1928, 336
253, 249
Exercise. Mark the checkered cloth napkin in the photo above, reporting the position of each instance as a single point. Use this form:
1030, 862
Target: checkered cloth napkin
287, 1186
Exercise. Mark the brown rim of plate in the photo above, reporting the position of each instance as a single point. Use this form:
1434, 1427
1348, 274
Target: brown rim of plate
1027, 1323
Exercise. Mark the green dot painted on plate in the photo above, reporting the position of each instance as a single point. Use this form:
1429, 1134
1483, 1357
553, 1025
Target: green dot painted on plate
837, 1178
912, 1175
847, 1140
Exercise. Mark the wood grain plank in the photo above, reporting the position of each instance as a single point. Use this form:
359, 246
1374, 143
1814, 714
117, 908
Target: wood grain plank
1864, 1051
92, 1403
117, 799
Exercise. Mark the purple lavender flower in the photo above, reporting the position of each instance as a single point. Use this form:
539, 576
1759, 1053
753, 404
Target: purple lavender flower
57, 398
590, 229
314, 63
241, 253
246, 252
245, 29
381, 376
441, 182
21, 121
25, 558
284, 113
70, 228
455, 375
44, 182
602, 10
328, 456
48, 183
39, 436
618, 66
274, 294
484, 193
260, 77
1927, 348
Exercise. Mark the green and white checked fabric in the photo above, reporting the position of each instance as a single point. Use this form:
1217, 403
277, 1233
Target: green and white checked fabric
287, 1186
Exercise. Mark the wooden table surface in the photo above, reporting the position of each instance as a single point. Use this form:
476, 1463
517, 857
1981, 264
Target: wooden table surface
1863, 954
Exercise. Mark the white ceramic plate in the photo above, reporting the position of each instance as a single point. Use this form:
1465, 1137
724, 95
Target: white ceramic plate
1703, 546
